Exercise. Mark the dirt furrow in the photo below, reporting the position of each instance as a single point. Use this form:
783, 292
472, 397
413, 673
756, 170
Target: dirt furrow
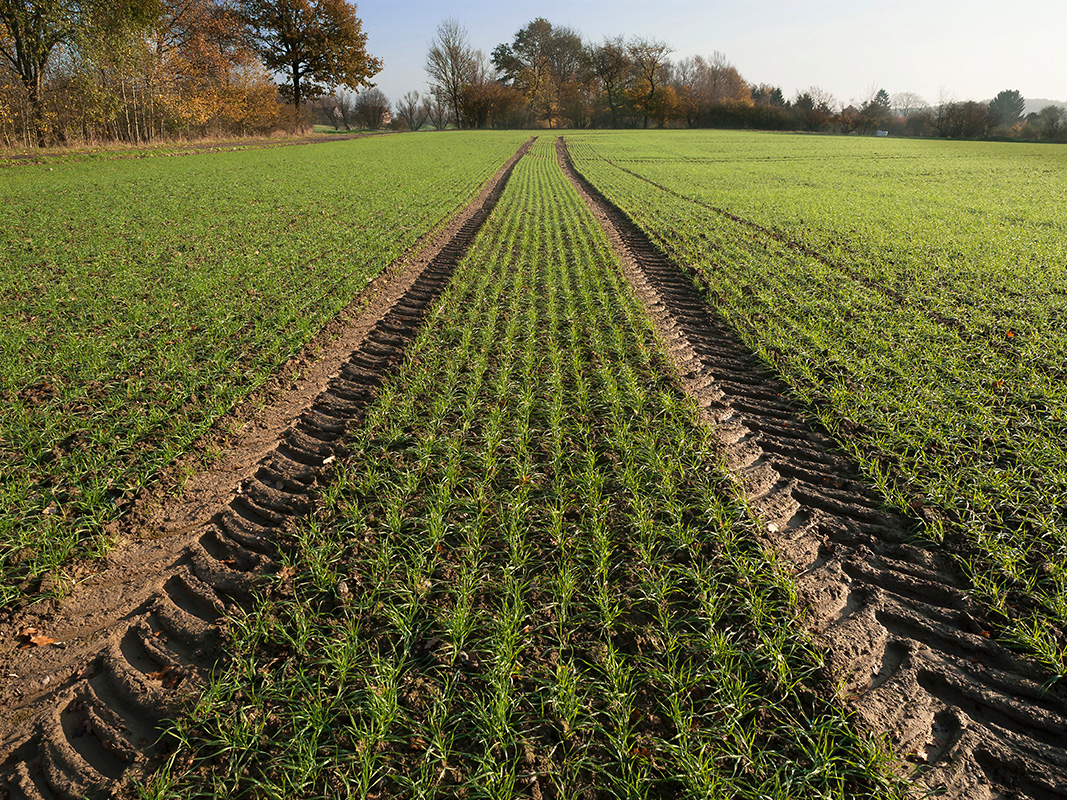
904, 642
94, 713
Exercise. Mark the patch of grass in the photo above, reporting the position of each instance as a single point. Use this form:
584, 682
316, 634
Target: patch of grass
141, 300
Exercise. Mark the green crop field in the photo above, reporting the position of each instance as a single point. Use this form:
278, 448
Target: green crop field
141, 299
528, 570
549, 577
913, 294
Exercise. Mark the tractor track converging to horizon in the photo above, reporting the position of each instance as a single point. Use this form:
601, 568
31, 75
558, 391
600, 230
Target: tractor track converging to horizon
104, 721
902, 639
901, 636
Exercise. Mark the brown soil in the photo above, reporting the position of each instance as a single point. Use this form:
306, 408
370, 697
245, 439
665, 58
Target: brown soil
136, 639
907, 646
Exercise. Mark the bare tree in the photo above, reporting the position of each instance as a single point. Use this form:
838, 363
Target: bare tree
409, 109
938, 116
1052, 120
437, 111
961, 120
908, 104
705, 85
340, 105
450, 62
718, 81
372, 109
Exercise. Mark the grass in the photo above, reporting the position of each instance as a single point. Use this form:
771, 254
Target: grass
17, 157
531, 573
140, 300
912, 294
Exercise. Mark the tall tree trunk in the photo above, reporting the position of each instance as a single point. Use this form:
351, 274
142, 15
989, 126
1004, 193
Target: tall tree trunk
126, 110
142, 124
35, 91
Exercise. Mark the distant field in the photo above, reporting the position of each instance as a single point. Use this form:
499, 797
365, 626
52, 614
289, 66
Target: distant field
142, 298
914, 294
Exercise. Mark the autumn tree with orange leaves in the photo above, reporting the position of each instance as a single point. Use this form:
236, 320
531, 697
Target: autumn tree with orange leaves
31, 31
129, 70
318, 44
202, 69
141, 70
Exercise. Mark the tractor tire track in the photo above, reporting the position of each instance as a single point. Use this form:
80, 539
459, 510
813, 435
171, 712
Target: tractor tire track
901, 637
106, 720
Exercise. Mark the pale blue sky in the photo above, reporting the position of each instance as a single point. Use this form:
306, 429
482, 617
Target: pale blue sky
965, 49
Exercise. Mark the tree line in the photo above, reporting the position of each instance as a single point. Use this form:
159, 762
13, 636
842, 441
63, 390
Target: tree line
549, 76
142, 70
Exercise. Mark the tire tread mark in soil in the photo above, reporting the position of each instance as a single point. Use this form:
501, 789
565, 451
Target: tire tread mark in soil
900, 633
108, 723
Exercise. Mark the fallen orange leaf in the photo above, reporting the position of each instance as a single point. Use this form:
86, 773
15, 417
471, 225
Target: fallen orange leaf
166, 677
34, 638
